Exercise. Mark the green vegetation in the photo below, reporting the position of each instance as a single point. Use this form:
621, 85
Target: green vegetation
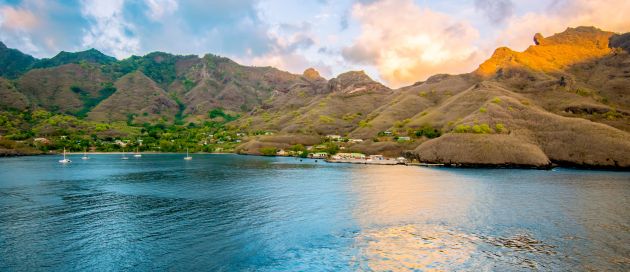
83, 58
268, 151
483, 110
613, 114
89, 101
427, 131
65, 131
14, 62
582, 92
364, 124
351, 116
400, 124
476, 128
496, 100
300, 150
218, 112
325, 119
483, 129
499, 127
462, 128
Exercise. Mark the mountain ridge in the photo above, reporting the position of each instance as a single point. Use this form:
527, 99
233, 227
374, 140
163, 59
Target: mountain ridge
517, 108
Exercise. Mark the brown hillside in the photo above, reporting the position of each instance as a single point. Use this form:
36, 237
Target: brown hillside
10, 97
52, 88
139, 96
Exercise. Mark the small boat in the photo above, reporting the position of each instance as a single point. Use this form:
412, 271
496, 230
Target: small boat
188, 158
137, 155
64, 161
124, 157
85, 156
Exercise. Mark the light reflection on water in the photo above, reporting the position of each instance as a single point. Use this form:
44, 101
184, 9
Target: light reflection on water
227, 212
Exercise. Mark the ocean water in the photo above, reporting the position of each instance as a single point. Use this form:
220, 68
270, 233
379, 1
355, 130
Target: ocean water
244, 213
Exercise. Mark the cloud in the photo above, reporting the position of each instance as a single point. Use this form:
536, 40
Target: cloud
412, 45
157, 9
287, 51
496, 10
608, 15
17, 18
108, 30
41, 28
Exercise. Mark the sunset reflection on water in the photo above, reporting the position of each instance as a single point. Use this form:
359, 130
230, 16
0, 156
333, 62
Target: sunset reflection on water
398, 208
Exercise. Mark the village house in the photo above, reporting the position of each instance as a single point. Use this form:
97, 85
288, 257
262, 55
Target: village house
120, 143
404, 139
354, 141
376, 157
318, 155
333, 137
349, 156
281, 152
40, 140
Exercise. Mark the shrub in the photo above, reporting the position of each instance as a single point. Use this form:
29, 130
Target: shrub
499, 127
428, 132
485, 128
268, 151
423, 94
364, 124
496, 100
326, 119
582, 92
612, 114
483, 110
462, 128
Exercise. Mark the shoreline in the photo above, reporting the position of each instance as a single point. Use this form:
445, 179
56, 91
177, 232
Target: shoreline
365, 162
143, 153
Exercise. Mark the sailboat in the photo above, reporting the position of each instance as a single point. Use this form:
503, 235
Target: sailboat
64, 161
123, 156
137, 155
85, 156
188, 158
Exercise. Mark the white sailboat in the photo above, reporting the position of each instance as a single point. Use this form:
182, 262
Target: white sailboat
85, 156
64, 161
188, 158
124, 157
137, 155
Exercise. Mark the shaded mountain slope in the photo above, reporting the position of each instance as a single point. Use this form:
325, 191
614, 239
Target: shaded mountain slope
14, 62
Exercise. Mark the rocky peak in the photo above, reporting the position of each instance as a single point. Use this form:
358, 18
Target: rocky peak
355, 81
553, 53
311, 74
539, 39
620, 41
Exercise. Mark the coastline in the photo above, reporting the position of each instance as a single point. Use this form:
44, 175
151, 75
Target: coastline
554, 164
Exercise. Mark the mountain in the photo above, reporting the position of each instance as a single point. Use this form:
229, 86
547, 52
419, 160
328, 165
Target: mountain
137, 98
14, 62
564, 100
91, 56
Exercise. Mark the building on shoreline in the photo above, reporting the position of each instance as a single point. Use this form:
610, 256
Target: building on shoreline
318, 155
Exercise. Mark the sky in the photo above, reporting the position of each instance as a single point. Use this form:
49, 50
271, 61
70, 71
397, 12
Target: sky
397, 42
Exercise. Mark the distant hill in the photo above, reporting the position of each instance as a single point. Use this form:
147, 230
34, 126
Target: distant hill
565, 99
13, 62
89, 56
